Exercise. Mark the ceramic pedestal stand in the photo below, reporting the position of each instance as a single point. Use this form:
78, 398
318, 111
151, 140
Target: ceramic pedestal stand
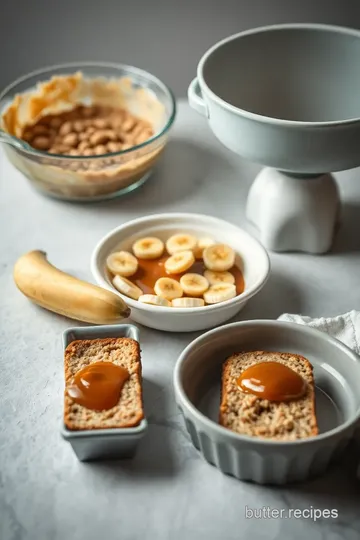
293, 212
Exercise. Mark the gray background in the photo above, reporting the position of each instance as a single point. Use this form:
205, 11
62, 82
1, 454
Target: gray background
166, 37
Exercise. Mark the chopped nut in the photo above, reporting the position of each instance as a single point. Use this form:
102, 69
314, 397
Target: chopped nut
102, 137
100, 149
138, 128
100, 123
83, 136
55, 122
66, 128
120, 136
143, 136
60, 149
128, 124
83, 145
79, 126
71, 139
113, 146
112, 135
117, 122
41, 142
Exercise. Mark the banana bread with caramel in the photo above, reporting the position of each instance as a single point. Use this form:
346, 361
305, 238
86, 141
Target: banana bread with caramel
248, 414
123, 352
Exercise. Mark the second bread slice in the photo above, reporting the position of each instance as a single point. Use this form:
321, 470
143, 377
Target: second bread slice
248, 414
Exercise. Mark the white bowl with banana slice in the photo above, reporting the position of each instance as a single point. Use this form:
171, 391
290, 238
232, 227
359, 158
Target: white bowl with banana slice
181, 272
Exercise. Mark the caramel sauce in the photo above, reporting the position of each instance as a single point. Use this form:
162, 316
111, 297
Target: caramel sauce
272, 381
149, 271
98, 386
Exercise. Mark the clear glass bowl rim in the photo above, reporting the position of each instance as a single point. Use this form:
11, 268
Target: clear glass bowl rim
78, 65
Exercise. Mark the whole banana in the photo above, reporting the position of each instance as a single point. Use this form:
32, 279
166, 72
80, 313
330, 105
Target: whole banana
66, 295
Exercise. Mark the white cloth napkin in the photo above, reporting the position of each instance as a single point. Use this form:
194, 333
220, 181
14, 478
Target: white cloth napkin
345, 328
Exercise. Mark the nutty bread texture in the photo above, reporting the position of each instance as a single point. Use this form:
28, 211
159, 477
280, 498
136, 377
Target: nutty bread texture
124, 352
251, 415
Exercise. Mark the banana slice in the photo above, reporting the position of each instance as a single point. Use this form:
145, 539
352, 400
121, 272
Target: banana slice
122, 263
148, 248
219, 277
188, 302
168, 288
219, 293
125, 286
154, 300
194, 284
219, 257
202, 244
179, 262
180, 242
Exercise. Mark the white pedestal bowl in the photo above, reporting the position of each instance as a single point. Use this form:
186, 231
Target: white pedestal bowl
287, 97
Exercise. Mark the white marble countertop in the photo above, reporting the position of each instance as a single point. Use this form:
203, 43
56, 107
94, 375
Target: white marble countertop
167, 491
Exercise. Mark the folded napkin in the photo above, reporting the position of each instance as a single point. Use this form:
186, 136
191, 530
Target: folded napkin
345, 328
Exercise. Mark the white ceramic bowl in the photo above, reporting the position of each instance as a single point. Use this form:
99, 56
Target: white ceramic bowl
253, 261
284, 96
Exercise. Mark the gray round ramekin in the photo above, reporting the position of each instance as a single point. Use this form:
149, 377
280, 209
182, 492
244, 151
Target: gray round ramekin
197, 378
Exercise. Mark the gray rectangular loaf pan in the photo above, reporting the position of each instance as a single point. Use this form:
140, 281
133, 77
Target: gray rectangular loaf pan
96, 444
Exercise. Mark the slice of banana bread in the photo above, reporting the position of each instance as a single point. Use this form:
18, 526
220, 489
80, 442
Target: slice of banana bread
124, 352
248, 414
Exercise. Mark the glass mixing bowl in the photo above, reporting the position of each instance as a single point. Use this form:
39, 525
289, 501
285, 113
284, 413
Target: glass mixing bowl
89, 178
